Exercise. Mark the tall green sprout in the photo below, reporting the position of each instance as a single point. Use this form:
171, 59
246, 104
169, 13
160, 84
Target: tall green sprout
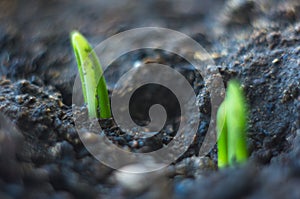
231, 127
95, 92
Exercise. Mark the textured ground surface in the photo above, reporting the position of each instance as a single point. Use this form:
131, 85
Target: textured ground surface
258, 43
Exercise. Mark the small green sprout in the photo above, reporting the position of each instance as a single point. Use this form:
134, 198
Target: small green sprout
231, 127
95, 92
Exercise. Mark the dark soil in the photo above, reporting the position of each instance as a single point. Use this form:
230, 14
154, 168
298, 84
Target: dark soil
257, 42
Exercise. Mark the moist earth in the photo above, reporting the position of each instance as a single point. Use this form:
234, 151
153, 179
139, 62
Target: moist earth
41, 155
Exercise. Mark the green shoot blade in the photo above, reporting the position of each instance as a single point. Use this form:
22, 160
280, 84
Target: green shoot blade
94, 92
102, 93
80, 54
236, 114
231, 127
222, 136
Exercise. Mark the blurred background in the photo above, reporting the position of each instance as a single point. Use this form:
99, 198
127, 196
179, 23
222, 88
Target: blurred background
34, 34
256, 41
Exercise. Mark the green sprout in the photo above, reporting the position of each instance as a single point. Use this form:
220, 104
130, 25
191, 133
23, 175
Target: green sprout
231, 127
95, 92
